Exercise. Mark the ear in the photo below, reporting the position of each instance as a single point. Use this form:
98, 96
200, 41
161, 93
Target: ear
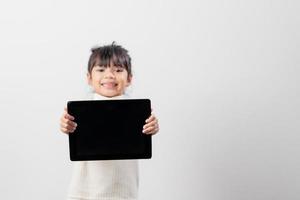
129, 80
89, 78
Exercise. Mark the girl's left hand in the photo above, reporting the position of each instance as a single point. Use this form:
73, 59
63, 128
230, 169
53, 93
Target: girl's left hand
151, 127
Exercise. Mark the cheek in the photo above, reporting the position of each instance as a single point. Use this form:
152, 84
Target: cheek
96, 77
125, 78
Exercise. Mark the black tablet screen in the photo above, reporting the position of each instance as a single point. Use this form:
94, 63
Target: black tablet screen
109, 129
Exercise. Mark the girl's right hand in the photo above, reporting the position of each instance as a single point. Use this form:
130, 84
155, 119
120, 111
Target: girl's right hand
66, 123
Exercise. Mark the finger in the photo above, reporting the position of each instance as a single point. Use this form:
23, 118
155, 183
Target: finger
68, 116
151, 118
150, 132
153, 132
67, 131
70, 129
68, 122
150, 129
153, 123
70, 126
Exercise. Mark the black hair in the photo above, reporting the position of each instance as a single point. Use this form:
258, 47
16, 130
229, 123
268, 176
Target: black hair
110, 54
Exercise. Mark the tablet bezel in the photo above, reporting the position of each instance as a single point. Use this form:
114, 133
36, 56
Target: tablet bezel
146, 139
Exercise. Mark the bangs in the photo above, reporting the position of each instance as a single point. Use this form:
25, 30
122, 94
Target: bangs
113, 60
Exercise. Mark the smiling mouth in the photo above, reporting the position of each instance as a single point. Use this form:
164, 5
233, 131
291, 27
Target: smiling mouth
109, 85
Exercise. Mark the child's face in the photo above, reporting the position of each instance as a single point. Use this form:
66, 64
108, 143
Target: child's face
109, 81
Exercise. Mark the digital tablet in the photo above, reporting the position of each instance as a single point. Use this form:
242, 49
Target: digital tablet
109, 129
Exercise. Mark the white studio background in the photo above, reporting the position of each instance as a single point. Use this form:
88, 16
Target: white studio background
223, 77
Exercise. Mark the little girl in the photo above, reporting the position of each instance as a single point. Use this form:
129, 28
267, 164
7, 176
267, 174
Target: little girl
109, 74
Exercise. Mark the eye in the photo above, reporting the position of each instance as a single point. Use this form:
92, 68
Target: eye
100, 70
119, 70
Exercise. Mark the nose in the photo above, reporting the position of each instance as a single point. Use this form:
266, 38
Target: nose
109, 73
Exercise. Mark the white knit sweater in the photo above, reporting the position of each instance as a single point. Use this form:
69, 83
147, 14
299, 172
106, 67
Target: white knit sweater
104, 180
